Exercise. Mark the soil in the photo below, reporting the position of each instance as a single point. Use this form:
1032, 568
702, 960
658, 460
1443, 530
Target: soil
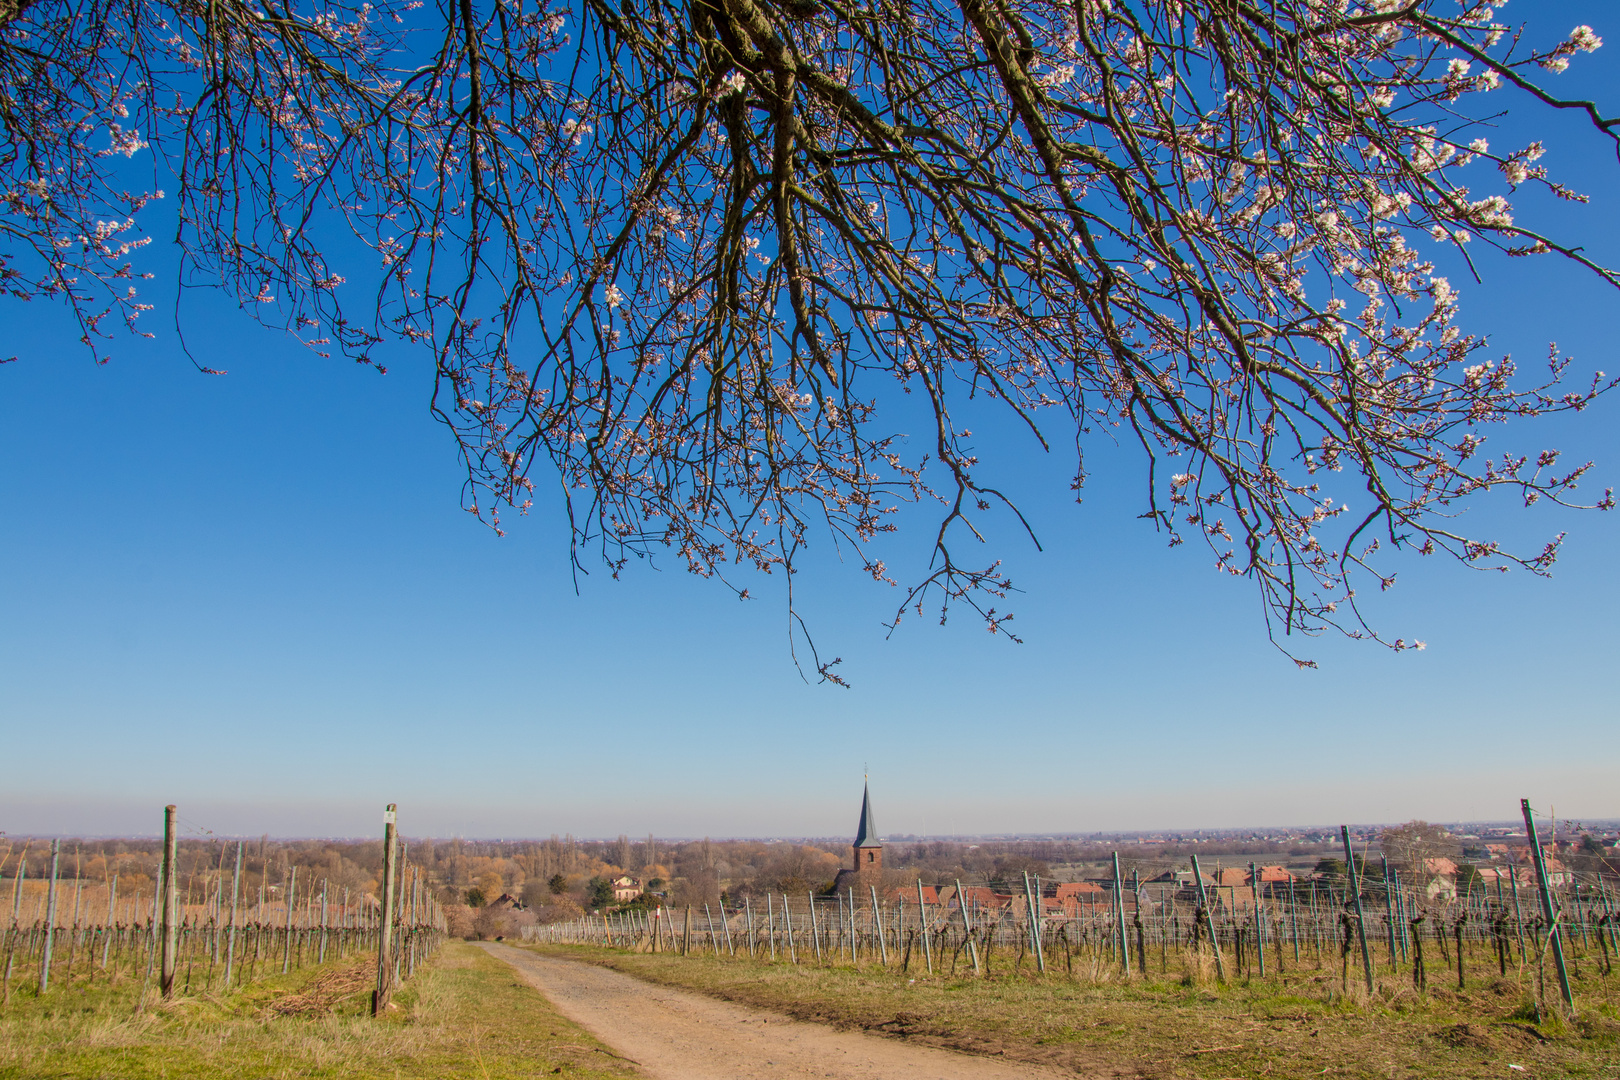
677, 1035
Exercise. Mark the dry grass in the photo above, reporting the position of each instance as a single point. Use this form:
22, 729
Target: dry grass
1182, 1026
464, 1016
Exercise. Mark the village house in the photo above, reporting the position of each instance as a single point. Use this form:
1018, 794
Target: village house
625, 888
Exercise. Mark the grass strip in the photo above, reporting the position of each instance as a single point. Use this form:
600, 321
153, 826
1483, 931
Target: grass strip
465, 1015
1188, 1026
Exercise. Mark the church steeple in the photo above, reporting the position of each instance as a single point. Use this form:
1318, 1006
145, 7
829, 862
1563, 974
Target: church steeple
868, 849
866, 832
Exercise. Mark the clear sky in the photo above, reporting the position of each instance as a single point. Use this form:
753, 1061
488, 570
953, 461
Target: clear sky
255, 596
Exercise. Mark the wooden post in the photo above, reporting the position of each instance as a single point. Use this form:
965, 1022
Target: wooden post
1354, 880
385, 958
50, 919
171, 904
1554, 938
1119, 918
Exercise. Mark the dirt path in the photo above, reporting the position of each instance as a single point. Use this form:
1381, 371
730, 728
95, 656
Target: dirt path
676, 1035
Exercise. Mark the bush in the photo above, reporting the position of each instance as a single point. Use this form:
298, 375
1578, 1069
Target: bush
598, 892
475, 897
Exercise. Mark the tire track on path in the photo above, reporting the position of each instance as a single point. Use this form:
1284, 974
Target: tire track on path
678, 1035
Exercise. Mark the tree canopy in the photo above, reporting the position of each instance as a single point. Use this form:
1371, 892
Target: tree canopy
730, 273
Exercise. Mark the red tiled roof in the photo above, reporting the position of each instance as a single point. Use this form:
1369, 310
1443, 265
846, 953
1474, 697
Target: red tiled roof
1075, 888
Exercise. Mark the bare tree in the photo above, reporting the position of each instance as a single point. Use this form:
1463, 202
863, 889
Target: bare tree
1411, 848
700, 263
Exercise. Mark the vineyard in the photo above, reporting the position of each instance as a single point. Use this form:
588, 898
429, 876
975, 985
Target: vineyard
1549, 933
194, 929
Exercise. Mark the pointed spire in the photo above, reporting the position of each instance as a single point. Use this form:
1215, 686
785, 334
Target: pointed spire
866, 834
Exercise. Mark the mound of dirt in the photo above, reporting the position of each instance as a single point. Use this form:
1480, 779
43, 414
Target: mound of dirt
1467, 1037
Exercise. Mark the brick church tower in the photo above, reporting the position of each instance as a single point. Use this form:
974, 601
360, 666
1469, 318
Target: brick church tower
866, 868
867, 847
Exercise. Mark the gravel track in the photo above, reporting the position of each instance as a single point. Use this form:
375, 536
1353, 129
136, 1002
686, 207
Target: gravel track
677, 1035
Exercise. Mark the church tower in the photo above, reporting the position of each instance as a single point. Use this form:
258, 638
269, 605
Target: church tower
868, 848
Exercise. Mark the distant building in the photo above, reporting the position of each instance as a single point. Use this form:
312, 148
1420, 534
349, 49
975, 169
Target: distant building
625, 889
866, 864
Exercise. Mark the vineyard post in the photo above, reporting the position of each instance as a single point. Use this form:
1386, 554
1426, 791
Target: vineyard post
219, 883
112, 920
11, 938
1608, 912
853, 954
1136, 918
967, 926
748, 917
1554, 938
171, 904
152, 931
877, 924
50, 920
320, 956
385, 959
1389, 911
230, 934
815, 928
1209, 919
770, 925
1293, 916
787, 921
928, 953
1402, 908
1035, 921
1119, 918
401, 877
1354, 880
286, 942
17, 883
78, 897
1518, 913
1259, 925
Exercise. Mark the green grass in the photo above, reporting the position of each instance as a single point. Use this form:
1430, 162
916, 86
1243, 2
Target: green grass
464, 1015
1185, 1025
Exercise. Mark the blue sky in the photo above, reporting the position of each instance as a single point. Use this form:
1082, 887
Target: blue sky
255, 596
